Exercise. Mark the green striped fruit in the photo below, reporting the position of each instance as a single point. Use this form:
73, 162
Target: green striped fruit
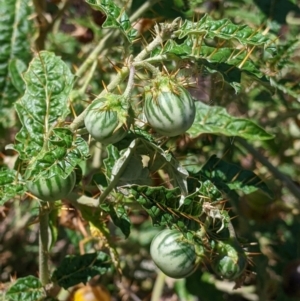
230, 260
169, 107
172, 254
107, 119
52, 189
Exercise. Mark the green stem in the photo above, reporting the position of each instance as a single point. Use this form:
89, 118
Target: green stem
130, 83
110, 35
231, 230
155, 72
43, 245
121, 76
88, 78
94, 54
158, 286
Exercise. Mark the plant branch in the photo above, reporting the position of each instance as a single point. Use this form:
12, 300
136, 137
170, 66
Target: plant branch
43, 245
161, 35
111, 34
88, 78
130, 83
275, 172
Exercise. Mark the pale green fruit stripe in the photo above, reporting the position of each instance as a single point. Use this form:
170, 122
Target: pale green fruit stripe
174, 256
103, 124
52, 189
169, 113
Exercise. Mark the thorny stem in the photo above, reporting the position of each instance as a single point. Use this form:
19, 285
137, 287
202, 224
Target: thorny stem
275, 172
88, 78
161, 36
94, 54
43, 245
149, 67
109, 36
130, 83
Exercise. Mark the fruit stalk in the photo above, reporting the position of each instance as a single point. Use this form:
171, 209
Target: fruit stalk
120, 76
158, 286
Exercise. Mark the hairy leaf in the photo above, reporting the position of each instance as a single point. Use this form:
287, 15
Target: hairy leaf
229, 62
64, 152
169, 206
25, 289
215, 120
10, 185
115, 17
234, 177
224, 29
77, 269
194, 49
45, 102
44, 145
15, 28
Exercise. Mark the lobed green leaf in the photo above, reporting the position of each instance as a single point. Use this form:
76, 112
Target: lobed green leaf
193, 49
77, 269
25, 289
168, 206
45, 102
229, 62
64, 152
45, 146
224, 29
115, 17
215, 120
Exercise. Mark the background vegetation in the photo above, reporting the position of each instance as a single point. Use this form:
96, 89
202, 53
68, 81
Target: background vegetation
245, 141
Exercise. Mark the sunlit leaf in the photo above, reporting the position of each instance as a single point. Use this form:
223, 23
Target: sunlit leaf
224, 29
44, 144
215, 120
115, 17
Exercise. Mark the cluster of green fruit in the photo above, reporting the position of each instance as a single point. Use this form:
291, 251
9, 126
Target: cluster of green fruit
178, 257
170, 111
168, 107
